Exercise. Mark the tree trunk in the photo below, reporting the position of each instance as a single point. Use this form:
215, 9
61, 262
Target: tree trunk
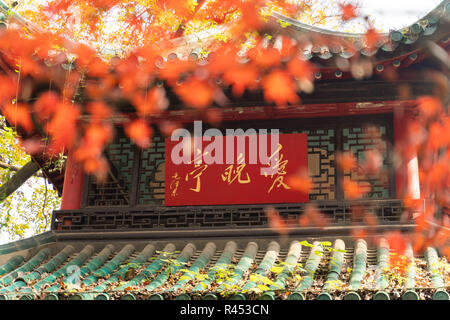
18, 179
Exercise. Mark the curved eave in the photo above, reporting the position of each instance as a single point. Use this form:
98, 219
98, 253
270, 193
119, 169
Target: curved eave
327, 46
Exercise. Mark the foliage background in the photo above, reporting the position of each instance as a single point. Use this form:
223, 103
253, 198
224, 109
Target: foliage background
28, 210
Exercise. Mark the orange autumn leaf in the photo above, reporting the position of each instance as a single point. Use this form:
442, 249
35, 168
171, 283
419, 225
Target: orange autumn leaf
104, 4
94, 139
28, 66
436, 175
414, 204
9, 88
441, 237
265, 57
153, 101
446, 128
140, 133
130, 82
419, 242
173, 69
352, 190
18, 115
446, 252
98, 167
181, 8
98, 89
98, 68
429, 106
301, 69
288, 47
46, 104
241, 77
397, 242
315, 217
251, 19
372, 38
346, 160
222, 60
398, 262
436, 137
214, 116
99, 111
167, 127
358, 233
370, 219
280, 88
91, 165
348, 11
276, 222
218, 11
196, 93
300, 182
56, 6
63, 127
85, 55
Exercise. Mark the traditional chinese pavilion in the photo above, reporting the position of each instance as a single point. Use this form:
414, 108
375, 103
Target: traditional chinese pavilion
155, 230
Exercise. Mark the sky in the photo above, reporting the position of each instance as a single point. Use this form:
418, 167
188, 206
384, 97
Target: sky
388, 14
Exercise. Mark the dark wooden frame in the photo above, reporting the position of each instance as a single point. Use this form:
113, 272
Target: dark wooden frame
286, 124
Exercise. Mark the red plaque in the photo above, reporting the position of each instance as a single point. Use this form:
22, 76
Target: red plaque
242, 181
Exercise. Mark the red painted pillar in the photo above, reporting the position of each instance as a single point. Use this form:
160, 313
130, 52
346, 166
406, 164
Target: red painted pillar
73, 184
407, 170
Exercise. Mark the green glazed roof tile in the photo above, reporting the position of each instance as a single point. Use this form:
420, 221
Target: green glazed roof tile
321, 270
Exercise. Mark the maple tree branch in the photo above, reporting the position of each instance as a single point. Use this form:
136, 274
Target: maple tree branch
11, 167
18, 179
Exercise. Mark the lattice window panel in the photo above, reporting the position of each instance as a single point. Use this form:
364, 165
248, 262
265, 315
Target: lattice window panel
116, 190
151, 174
321, 162
322, 145
359, 139
209, 217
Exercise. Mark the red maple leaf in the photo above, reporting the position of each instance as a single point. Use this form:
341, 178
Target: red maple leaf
352, 189
429, 106
153, 101
18, 115
95, 138
397, 242
223, 59
348, 11
63, 127
300, 182
241, 77
265, 57
46, 105
8, 88
301, 70
346, 160
195, 92
372, 38
276, 222
279, 87
139, 132
99, 111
